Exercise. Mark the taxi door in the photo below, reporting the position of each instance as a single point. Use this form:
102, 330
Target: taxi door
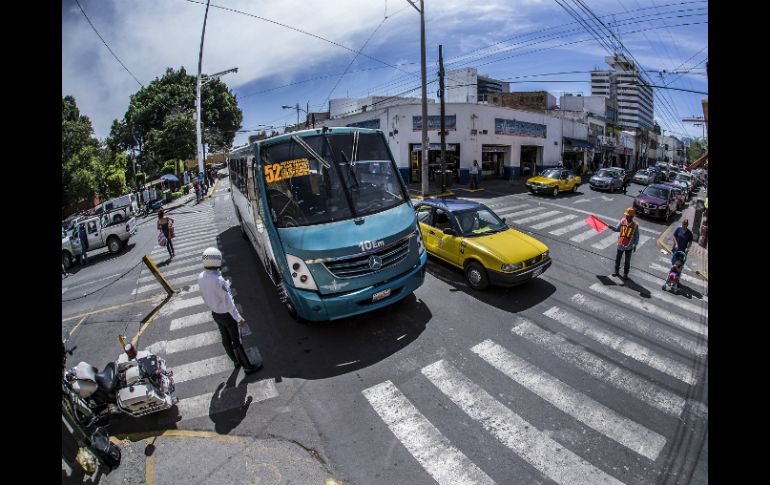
447, 246
564, 182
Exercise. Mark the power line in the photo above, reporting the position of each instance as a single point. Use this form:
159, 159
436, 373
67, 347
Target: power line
106, 45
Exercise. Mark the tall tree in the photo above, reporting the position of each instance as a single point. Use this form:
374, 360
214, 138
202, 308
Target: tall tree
159, 120
78, 149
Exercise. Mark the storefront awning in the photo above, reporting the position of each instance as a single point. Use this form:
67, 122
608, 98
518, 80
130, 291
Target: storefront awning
578, 143
699, 162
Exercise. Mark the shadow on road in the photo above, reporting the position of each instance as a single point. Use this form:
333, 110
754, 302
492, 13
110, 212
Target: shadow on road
512, 300
96, 258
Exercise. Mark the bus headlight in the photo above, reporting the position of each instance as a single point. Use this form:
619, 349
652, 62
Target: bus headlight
300, 274
420, 244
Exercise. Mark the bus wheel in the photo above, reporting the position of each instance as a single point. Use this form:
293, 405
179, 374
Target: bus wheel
287, 303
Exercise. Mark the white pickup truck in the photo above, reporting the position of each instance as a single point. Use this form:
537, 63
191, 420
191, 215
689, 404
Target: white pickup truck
102, 231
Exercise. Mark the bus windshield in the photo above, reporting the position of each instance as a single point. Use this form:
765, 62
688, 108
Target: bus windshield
329, 177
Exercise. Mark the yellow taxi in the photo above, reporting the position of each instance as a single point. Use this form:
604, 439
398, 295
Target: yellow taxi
554, 180
472, 237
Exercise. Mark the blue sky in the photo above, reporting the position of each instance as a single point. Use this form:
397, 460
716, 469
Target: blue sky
529, 40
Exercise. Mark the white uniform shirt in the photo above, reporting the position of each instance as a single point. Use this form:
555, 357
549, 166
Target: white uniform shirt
216, 293
474, 169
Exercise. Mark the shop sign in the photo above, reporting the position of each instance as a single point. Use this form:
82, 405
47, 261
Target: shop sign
519, 128
434, 123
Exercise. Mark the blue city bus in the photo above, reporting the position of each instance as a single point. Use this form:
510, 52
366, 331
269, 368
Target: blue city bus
330, 219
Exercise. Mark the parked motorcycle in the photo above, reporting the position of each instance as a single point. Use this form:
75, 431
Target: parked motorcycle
137, 384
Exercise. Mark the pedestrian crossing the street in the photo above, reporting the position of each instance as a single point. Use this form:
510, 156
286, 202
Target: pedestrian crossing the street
651, 356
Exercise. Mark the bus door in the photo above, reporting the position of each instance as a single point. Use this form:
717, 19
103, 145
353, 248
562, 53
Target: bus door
256, 212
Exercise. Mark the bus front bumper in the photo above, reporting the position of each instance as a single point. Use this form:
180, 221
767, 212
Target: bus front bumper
314, 307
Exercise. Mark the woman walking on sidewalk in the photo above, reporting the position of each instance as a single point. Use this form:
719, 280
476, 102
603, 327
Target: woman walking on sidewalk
166, 226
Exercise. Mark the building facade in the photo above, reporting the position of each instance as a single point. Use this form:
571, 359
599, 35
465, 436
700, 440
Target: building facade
467, 86
626, 88
526, 100
507, 143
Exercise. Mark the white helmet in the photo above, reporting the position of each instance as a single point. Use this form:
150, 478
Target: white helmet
212, 258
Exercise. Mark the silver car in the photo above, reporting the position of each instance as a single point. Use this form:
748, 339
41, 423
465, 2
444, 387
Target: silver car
606, 179
643, 177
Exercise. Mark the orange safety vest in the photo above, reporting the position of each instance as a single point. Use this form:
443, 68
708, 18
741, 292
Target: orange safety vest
626, 232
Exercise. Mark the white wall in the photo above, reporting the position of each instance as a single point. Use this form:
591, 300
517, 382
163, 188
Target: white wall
399, 118
460, 85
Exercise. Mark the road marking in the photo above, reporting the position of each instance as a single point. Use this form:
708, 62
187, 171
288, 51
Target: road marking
181, 304
624, 346
584, 235
606, 242
202, 368
683, 277
644, 327
570, 228
580, 201
191, 320
539, 450
204, 404
660, 280
686, 269
526, 211
553, 222
177, 261
185, 343
601, 368
536, 217
175, 282
572, 402
642, 239
608, 199
506, 207
186, 247
445, 463
653, 310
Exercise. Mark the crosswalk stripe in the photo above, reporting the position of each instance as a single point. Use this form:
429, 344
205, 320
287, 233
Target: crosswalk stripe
179, 260
553, 222
641, 325
180, 304
538, 449
527, 211
684, 277
187, 246
660, 280
509, 208
174, 282
642, 239
650, 309
572, 402
622, 345
195, 236
536, 217
202, 368
199, 406
191, 320
185, 343
584, 235
570, 228
445, 463
606, 242
602, 369
174, 272
665, 260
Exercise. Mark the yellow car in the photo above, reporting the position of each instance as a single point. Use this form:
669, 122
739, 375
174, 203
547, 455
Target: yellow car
553, 181
471, 236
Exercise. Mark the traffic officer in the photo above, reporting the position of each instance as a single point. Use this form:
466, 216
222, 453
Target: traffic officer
215, 291
627, 241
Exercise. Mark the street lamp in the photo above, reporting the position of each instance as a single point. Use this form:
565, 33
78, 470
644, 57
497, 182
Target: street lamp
306, 111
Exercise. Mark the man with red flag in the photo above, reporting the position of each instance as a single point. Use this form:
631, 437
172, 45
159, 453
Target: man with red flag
627, 241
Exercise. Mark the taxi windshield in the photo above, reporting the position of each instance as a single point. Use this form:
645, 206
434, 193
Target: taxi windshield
479, 222
551, 174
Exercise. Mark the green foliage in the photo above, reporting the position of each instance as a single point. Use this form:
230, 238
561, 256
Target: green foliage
697, 149
186, 189
175, 195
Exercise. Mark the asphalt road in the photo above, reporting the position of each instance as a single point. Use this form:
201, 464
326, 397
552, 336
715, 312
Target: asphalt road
575, 377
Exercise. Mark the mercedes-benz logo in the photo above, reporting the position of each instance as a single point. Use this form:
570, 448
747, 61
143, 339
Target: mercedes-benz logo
375, 262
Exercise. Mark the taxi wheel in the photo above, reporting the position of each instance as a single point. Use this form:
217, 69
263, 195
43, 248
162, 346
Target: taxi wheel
476, 276
555, 191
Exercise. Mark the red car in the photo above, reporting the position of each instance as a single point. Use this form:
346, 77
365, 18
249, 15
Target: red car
681, 198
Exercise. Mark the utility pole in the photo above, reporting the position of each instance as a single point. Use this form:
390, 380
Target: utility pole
199, 137
443, 132
424, 163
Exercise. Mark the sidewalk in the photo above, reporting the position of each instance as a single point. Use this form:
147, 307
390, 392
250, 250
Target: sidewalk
488, 189
185, 199
180, 456
698, 257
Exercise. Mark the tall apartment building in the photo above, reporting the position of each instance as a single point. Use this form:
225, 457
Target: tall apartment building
467, 86
628, 91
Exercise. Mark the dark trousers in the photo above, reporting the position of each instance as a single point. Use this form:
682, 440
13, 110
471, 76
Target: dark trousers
627, 265
169, 244
474, 181
231, 339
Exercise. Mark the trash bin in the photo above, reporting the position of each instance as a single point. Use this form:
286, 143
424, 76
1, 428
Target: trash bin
449, 178
698, 217
167, 195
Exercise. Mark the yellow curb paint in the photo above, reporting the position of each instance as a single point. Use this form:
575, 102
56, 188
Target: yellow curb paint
72, 332
114, 307
149, 465
703, 274
472, 190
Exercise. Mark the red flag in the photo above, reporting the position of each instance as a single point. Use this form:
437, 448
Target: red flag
596, 223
